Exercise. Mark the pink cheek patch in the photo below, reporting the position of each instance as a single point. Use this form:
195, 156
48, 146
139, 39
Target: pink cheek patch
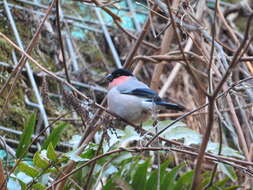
118, 81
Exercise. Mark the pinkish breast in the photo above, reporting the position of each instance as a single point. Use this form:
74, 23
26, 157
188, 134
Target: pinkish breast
118, 81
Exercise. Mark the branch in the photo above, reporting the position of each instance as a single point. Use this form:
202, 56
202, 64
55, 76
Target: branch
131, 54
147, 44
211, 98
138, 149
102, 108
61, 41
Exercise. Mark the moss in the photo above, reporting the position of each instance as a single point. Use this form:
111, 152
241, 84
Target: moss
16, 111
22, 21
5, 50
4, 25
45, 60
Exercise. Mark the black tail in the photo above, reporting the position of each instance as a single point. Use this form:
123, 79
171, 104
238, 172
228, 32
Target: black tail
171, 106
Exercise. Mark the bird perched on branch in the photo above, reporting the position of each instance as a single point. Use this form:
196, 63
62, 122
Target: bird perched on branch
133, 100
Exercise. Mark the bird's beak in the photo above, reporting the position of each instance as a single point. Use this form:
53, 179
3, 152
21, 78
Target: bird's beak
109, 77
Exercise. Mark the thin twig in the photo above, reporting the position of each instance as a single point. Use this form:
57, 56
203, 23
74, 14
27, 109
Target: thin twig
182, 50
132, 149
33, 141
32, 43
58, 23
16, 72
69, 85
87, 184
131, 54
211, 98
144, 42
193, 111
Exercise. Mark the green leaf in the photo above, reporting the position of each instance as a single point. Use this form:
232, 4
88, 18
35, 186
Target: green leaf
228, 171
206, 177
24, 177
185, 181
39, 161
139, 179
51, 154
226, 151
169, 179
55, 135
50, 170
72, 155
28, 170
152, 181
178, 131
90, 151
110, 185
233, 187
164, 166
127, 168
23, 185
62, 159
221, 183
39, 186
26, 136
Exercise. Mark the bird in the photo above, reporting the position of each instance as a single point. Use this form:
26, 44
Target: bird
132, 99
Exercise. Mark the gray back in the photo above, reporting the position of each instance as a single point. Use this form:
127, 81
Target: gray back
131, 84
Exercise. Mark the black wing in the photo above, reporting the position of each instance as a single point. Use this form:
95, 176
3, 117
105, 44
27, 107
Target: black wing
143, 92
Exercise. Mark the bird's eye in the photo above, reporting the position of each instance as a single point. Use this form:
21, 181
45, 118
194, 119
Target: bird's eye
109, 77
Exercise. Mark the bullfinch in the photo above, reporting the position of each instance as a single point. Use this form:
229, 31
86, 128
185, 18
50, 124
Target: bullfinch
133, 100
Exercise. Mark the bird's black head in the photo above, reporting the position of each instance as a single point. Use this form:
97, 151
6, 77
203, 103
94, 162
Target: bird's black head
117, 73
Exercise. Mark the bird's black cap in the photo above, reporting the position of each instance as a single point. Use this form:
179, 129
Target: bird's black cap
117, 73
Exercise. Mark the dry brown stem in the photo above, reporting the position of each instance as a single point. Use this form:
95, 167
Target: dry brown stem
165, 47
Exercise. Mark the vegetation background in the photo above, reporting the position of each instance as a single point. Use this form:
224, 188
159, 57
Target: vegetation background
55, 131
